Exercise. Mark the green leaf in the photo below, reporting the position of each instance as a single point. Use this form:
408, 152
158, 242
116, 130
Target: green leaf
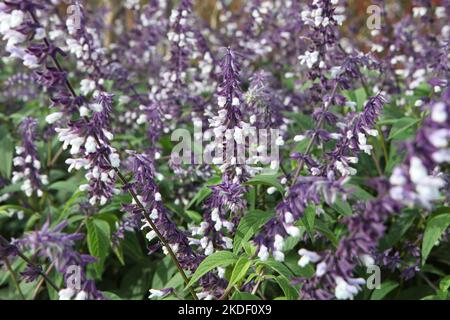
217, 259
249, 248
277, 266
289, 291
111, 295
309, 220
11, 188
403, 128
444, 284
67, 186
69, 204
396, 156
436, 226
384, 290
248, 226
302, 145
6, 154
14, 208
244, 296
204, 192
239, 271
342, 207
398, 229
361, 97
291, 242
358, 193
194, 215
267, 180
98, 240
323, 229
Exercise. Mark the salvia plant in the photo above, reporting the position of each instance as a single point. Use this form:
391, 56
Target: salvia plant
258, 149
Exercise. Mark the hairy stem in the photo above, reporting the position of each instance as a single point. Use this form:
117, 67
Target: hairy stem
121, 177
314, 136
14, 277
28, 261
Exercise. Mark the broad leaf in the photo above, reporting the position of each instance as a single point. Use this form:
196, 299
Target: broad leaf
433, 231
384, 290
98, 240
248, 226
267, 180
239, 271
403, 129
289, 291
217, 259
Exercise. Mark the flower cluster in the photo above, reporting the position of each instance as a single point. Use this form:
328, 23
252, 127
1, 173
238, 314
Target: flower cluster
418, 180
26, 164
320, 148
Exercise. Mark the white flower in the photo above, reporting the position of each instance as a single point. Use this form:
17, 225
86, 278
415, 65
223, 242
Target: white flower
158, 196
221, 272
228, 242
440, 12
66, 294
218, 225
293, 231
299, 138
87, 86
279, 141
345, 290
150, 235
82, 295
154, 214
263, 253
77, 164
309, 58
155, 293
397, 178
30, 61
441, 156
367, 260
53, 117
70, 138
142, 119
209, 249
417, 170
205, 296
221, 101
114, 159
96, 107
90, 145
362, 140
307, 257
278, 243
419, 11
427, 187
278, 255
439, 138
271, 190
439, 112
321, 269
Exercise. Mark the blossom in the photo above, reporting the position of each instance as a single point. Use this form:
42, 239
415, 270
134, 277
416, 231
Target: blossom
26, 163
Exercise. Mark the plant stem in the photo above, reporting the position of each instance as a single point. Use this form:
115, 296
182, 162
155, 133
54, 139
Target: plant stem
41, 282
313, 138
226, 293
14, 277
55, 157
428, 281
28, 261
121, 176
